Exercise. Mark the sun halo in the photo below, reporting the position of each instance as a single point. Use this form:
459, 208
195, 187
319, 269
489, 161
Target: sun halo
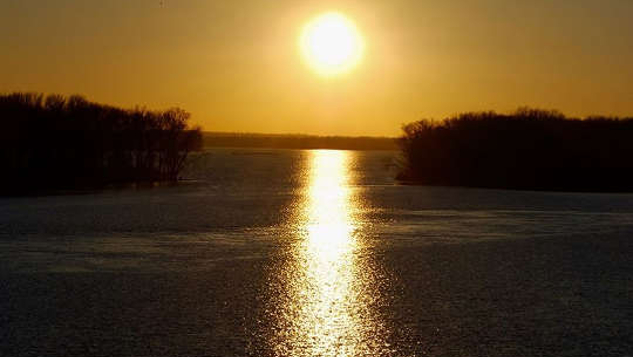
331, 44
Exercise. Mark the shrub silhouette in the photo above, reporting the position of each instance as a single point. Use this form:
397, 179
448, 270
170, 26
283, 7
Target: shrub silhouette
55, 141
527, 149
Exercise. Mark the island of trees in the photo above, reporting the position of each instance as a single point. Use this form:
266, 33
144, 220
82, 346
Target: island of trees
68, 142
528, 149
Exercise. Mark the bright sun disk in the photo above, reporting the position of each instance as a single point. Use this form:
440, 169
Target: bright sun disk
331, 44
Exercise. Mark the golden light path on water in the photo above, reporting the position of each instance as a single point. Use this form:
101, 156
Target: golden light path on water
326, 288
328, 250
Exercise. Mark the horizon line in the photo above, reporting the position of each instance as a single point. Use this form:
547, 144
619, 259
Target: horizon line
296, 135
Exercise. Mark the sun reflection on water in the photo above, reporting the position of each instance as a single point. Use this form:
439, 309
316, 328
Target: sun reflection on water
327, 252
324, 287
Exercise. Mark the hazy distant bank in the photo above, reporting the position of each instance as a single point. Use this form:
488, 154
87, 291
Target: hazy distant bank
528, 149
294, 141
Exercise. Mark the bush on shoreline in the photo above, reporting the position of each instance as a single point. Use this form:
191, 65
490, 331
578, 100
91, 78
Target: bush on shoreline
527, 149
59, 142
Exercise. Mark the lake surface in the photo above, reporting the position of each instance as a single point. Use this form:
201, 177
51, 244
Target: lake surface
315, 253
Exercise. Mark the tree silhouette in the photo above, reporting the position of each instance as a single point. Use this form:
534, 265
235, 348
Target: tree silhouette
527, 149
55, 141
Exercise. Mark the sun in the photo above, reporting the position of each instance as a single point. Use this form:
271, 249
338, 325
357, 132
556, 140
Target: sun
331, 44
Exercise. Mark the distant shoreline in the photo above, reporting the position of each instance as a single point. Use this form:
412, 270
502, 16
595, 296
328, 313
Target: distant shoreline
297, 141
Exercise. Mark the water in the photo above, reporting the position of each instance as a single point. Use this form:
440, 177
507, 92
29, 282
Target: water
315, 253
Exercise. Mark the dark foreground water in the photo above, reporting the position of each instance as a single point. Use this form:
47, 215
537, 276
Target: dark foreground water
315, 253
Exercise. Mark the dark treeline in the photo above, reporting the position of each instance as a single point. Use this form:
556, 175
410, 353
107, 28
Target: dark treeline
68, 142
528, 149
290, 141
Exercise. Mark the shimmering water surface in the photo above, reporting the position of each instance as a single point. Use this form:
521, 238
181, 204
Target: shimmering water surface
323, 292
314, 253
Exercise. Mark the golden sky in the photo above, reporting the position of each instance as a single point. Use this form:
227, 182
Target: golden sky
237, 66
